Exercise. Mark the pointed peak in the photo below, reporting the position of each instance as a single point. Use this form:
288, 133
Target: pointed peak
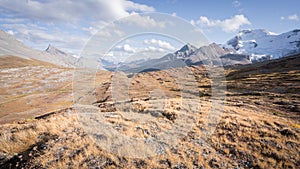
187, 47
190, 45
186, 50
53, 50
50, 47
213, 44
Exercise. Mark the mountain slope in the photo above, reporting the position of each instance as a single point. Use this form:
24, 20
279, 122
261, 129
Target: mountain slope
206, 54
10, 46
261, 44
54, 51
235, 59
63, 56
16, 62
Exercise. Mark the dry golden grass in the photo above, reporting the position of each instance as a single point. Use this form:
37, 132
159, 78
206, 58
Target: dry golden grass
32, 90
15, 62
249, 134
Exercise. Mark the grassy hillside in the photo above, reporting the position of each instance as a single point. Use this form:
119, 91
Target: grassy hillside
15, 62
258, 128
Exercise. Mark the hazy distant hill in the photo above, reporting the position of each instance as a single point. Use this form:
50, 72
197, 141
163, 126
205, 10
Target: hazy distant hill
10, 46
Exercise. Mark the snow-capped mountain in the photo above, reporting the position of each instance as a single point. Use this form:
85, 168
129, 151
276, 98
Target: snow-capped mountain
11, 46
247, 47
261, 44
185, 51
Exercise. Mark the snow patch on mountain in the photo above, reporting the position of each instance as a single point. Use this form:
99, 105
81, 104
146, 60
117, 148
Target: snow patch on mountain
261, 44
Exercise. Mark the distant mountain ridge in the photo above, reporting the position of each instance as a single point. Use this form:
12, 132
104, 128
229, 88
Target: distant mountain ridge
185, 56
11, 46
247, 47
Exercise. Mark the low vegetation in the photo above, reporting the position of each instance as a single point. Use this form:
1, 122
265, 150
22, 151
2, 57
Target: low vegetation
258, 127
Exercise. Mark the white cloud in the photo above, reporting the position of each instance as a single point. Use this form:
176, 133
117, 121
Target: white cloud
10, 32
31, 31
12, 20
104, 32
143, 21
109, 54
293, 17
236, 3
227, 25
125, 48
159, 43
73, 11
193, 22
153, 49
91, 30
66, 23
128, 48
40, 37
137, 7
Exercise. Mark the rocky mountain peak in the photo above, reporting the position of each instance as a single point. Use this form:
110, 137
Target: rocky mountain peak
55, 51
186, 50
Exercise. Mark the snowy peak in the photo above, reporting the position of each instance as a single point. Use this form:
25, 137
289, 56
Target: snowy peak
255, 32
187, 47
54, 51
185, 51
261, 44
249, 36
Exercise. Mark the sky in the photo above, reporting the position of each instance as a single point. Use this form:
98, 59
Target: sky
70, 24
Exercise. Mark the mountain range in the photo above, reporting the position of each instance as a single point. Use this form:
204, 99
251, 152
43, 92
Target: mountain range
247, 47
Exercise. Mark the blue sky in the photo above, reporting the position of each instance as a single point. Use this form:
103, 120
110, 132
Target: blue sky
264, 14
68, 24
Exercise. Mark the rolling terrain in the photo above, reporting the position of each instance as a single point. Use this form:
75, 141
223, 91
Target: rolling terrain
166, 118
30, 87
